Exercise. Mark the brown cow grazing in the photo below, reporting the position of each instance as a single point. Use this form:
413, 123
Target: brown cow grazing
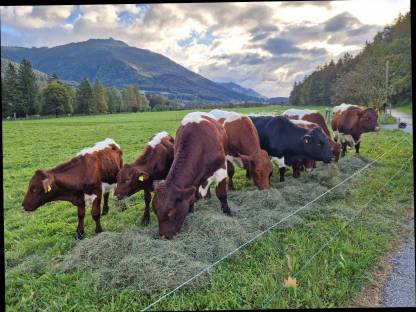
88, 176
244, 148
152, 164
349, 122
315, 117
199, 160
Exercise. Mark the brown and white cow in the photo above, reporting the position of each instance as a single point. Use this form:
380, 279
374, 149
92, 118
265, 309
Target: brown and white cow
349, 122
315, 117
244, 148
152, 164
199, 159
87, 176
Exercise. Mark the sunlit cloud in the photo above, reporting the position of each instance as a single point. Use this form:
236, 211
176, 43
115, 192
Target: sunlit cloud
263, 45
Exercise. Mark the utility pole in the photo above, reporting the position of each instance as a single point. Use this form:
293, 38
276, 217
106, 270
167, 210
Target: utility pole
387, 86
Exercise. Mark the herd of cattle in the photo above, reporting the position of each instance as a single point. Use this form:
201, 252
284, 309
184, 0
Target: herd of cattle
206, 148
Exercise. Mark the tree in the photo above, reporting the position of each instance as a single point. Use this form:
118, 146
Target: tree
115, 101
84, 98
157, 100
56, 99
100, 97
28, 88
11, 94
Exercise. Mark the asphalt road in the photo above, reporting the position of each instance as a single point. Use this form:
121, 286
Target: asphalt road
401, 117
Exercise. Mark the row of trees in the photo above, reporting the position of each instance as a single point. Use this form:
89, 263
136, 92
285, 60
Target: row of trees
24, 95
361, 79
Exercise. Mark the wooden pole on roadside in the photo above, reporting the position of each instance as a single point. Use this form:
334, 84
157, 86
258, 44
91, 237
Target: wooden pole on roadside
387, 86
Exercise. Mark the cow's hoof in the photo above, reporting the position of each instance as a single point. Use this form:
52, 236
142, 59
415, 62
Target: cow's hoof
145, 221
227, 212
78, 235
105, 212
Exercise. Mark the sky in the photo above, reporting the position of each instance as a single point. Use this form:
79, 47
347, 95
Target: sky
266, 46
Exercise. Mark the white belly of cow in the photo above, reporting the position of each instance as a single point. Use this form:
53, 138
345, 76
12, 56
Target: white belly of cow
88, 199
235, 160
105, 187
280, 162
344, 138
217, 177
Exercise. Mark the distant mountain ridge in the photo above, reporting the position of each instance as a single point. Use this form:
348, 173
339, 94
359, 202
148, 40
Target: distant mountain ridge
116, 64
240, 89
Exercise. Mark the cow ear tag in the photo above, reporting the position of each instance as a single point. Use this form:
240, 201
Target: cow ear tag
49, 189
141, 178
306, 140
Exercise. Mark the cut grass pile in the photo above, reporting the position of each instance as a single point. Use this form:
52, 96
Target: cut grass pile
137, 259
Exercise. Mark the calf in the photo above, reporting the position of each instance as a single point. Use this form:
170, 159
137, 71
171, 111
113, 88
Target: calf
153, 164
315, 117
88, 176
349, 122
288, 143
199, 159
244, 148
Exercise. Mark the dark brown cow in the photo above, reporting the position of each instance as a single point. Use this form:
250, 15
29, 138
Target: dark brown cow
199, 160
349, 122
153, 164
244, 148
315, 117
88, 176
303, 164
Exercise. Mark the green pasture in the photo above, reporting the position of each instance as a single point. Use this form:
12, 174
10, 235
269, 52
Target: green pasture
35, 243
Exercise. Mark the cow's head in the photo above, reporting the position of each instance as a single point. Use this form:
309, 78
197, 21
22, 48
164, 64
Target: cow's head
41, 190
171, 205
317, 145
260, 168
336, 149
130, 179
368, 120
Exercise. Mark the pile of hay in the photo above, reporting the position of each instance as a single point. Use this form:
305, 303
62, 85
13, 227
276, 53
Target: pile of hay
139, 260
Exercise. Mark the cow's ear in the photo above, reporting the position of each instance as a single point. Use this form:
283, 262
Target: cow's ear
47, 185
186, 193
142, 176
307, 139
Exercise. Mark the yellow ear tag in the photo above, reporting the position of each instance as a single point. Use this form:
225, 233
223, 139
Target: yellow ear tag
141, 178
306, 141
49, 188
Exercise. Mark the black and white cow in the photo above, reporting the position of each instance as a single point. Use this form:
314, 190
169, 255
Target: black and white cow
288, 143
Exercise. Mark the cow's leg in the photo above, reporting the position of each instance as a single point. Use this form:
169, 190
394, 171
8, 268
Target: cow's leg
191, 208
282, 171
146, 214
208, 192
314, 164
96, 213
248, 174
344, 149
230, 173
105, 205
296, 171
79, 234
357, 147
221, 192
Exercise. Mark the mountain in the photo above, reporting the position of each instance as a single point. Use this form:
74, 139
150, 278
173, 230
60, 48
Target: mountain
278, 99
116, 64
239, 89
41, 77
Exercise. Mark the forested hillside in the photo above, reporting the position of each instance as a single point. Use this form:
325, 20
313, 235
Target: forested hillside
362, 79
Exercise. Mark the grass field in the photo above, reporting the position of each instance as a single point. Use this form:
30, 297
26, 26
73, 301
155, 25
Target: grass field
405, 108
34, 242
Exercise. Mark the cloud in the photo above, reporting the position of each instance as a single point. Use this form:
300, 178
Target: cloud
263, 45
